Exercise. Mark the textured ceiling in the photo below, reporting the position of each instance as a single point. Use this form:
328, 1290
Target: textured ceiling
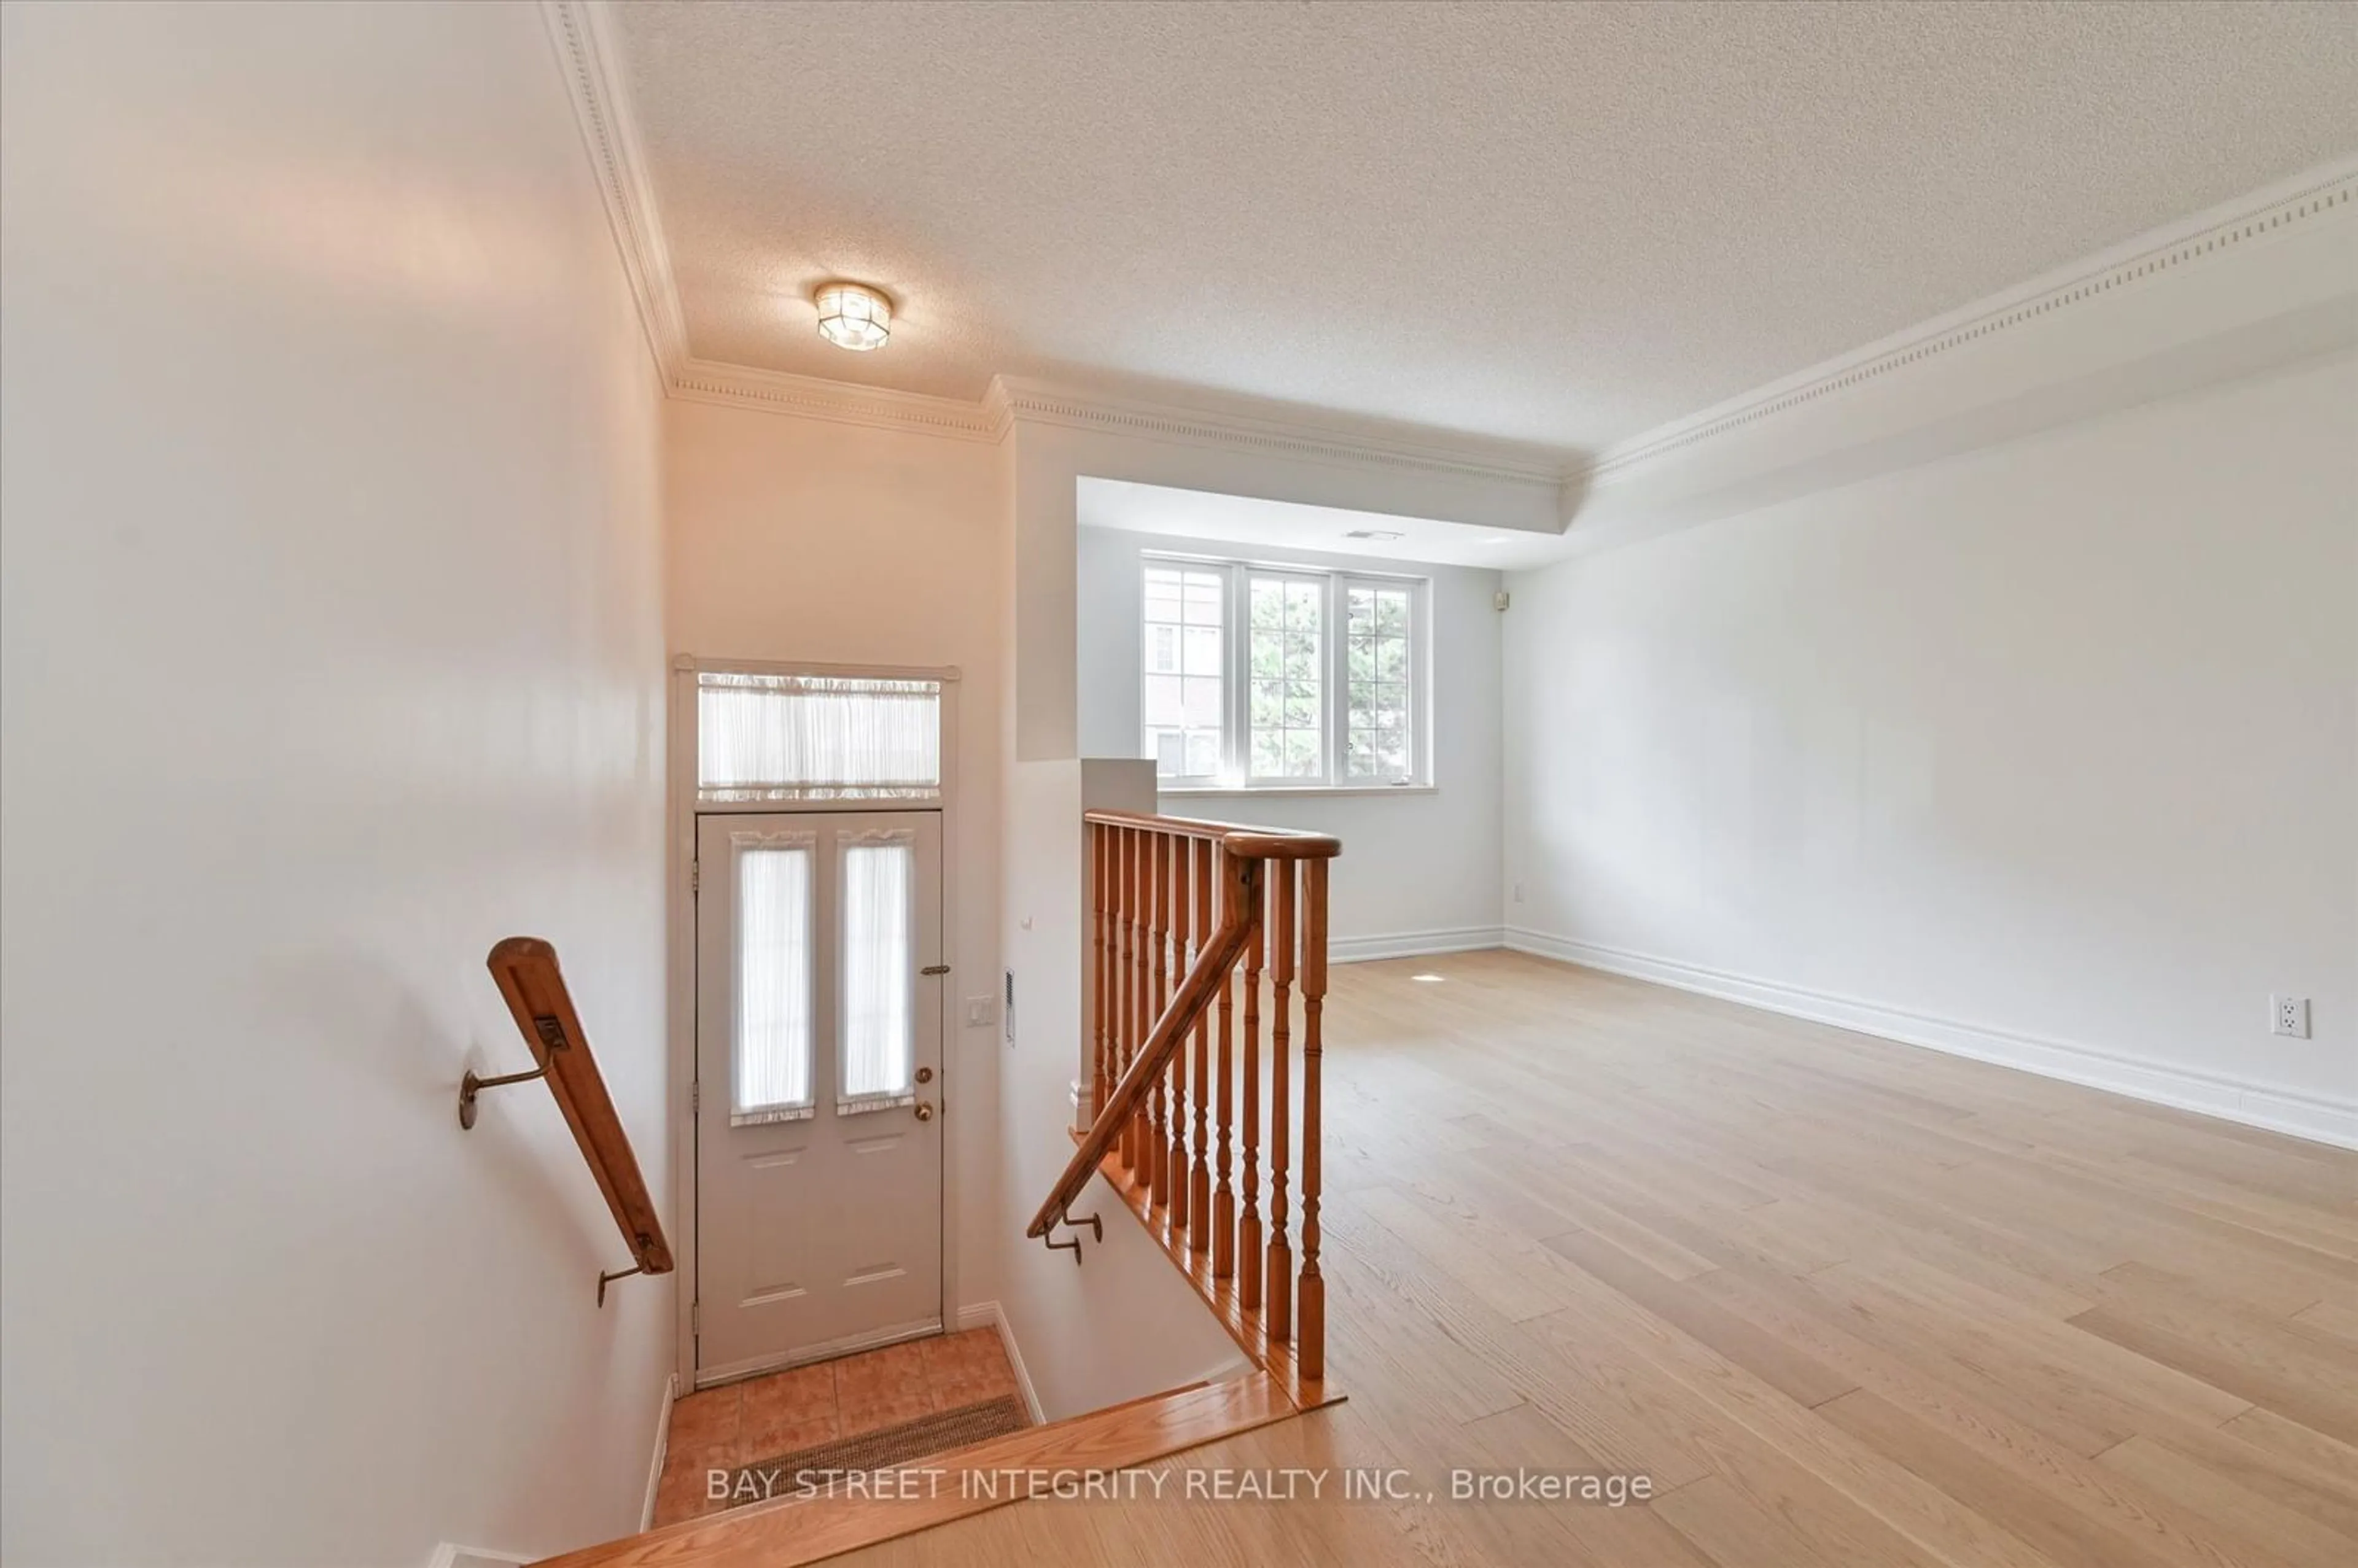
1556, 223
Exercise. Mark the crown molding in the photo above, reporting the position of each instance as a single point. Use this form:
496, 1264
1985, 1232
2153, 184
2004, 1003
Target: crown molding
817, 397
1010, 401
601, 107
1015, 400
587, 49
2264, 212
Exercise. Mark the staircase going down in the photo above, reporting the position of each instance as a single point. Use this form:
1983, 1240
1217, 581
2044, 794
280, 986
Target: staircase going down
1206, 944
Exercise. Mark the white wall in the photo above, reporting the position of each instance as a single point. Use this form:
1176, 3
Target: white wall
2047, 751
802, 539
332, 655
1420, 871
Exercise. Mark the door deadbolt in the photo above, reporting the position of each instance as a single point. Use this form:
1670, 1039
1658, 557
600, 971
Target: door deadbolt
924, 1074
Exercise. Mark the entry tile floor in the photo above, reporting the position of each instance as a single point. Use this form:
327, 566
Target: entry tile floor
787, 1411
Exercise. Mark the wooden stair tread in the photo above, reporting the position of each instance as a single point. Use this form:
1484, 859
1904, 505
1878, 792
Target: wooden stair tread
794, 1530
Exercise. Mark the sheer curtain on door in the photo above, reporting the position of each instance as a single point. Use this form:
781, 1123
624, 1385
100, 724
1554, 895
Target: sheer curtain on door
879, 969
773, 978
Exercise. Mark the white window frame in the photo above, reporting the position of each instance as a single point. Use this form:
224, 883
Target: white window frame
1236, 665
1224, 571
1236, 735
1420, 724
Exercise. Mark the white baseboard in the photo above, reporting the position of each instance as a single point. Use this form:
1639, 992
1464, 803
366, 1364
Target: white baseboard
661, 1449
449, 1556
2313, 1117
1414, 943
991, 1315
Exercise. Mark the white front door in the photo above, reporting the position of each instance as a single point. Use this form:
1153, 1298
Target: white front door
818, 1055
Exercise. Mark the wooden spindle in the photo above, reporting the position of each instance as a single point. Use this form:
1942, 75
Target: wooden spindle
1156, 998
1248, 1254
1097, 977
1185, 937
1170, 914
1113, 965
1279, 1318
1174, 1076
1116, 1020
1224, 1196
1142, 1003
1175, 1105
1200, 1183
1310, 1336
1133, 862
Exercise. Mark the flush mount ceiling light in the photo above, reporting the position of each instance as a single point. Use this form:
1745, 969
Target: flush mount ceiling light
853, 316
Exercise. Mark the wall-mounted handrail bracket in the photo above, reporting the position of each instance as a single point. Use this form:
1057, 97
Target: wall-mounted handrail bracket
470, 1085
606, 1279
1097, 1234
643, 1246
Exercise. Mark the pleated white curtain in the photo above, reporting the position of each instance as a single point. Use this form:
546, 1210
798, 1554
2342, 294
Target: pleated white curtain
773, 983
785, 738
879, 965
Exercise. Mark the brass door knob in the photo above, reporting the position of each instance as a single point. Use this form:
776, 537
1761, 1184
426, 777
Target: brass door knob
925, 1111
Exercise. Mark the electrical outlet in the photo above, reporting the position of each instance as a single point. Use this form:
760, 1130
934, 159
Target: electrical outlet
2289, 1015
1519, 893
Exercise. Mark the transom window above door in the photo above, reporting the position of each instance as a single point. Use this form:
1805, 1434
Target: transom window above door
1281, 677
806, 738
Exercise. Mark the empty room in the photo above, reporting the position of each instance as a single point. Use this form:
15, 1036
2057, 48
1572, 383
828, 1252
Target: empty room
1192, 781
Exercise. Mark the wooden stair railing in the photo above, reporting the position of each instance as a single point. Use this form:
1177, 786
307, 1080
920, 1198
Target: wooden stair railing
1182, 1126
526, 970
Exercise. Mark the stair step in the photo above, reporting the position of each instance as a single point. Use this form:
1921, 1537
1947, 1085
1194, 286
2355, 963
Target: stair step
792, 1531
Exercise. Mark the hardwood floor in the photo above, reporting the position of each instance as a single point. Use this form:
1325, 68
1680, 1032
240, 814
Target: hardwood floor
1837, 1300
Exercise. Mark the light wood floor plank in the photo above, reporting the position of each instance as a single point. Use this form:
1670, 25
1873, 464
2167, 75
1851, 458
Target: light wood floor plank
2339, 1319
2073, 1534
1842, 1300
2247, 1516
1908, 1361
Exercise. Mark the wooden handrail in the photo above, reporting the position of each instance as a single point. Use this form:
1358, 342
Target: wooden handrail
524, 967
1260, 843
1239, 912
1165, 1133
